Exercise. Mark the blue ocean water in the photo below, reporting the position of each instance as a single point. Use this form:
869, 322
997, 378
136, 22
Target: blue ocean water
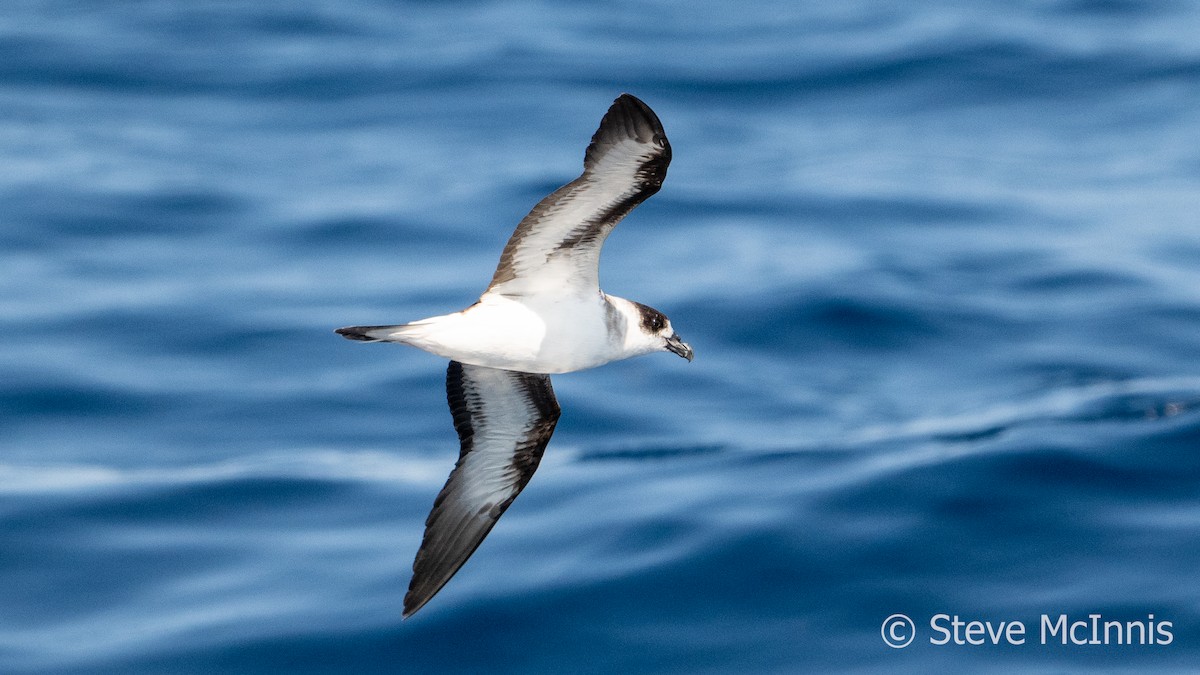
939, 261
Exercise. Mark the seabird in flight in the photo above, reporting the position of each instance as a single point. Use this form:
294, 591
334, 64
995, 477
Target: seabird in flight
543, 313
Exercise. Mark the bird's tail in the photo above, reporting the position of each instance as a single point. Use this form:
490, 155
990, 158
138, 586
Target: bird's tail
373, 333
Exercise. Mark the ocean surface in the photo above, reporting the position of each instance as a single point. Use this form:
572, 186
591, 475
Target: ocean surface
939, 262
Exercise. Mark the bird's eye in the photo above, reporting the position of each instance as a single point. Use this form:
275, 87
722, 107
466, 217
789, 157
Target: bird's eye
653, 320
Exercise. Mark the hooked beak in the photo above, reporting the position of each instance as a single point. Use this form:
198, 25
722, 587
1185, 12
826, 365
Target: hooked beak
674, 344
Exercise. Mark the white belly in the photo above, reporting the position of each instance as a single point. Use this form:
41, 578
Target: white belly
498, 332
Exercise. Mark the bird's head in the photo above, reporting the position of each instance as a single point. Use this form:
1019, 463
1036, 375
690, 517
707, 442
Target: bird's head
656, 334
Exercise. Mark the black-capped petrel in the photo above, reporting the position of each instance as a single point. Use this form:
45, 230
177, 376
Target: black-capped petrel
543, 313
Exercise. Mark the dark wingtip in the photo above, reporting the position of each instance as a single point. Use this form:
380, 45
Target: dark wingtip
636, 109
628, 117
411, 607
413, 602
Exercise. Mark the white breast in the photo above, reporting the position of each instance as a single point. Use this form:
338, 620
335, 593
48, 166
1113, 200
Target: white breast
551, 335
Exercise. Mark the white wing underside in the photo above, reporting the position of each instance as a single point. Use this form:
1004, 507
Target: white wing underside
504, 420
556, 248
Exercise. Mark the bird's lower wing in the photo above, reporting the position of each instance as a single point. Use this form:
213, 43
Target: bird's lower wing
504, 420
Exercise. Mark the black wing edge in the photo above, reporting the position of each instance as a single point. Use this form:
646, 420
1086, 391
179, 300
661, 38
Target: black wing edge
627, 118
439, 558
630, 118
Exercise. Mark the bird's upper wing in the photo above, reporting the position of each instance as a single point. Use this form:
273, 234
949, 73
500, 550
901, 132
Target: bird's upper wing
556, 248
504, 420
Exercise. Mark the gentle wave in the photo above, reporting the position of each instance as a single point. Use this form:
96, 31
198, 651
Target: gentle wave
325, 465
1140, 399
